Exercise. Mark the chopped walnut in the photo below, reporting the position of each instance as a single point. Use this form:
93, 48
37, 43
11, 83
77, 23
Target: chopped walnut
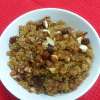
45, 24
32, 89
79, 39
27, 69
13, 72
46, 31
59, 37
52, 70
54, 58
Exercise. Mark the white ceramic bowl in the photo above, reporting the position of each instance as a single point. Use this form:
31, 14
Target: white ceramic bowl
56, 14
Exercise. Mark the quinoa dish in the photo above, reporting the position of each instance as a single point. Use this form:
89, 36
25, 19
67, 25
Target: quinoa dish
49, 57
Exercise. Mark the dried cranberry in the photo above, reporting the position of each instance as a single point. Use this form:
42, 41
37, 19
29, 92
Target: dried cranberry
85, 41
12, 39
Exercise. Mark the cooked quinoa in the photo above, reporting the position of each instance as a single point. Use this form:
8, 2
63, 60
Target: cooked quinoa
49, 57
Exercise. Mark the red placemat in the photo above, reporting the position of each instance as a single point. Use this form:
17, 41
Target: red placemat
10, 9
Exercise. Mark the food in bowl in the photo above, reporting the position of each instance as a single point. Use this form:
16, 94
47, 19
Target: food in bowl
49, 57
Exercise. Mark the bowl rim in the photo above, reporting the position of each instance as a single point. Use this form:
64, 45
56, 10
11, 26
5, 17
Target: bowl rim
62, 10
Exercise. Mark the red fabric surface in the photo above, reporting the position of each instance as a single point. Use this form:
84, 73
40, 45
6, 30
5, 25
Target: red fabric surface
89, 9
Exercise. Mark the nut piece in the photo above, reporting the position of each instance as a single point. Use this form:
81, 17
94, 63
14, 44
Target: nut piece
20, 70
48, 63
79, 39
46, 31
88, 60
27, 69
12, 73
45, 44
50, 41
32, 89
16, 77
66, 36
45, 24
54, 58
58, 32
67, 59
52, 70
59, 37
84, 48
47, 18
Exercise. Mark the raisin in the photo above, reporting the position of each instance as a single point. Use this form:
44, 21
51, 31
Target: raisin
22, 76
42, 24
12, 39
50, 48
66, 30
38, 81
63, 79
30, 83
46, 55
85, 41
42, 66
39, 25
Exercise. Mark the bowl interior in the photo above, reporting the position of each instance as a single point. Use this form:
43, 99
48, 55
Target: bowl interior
56, 14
